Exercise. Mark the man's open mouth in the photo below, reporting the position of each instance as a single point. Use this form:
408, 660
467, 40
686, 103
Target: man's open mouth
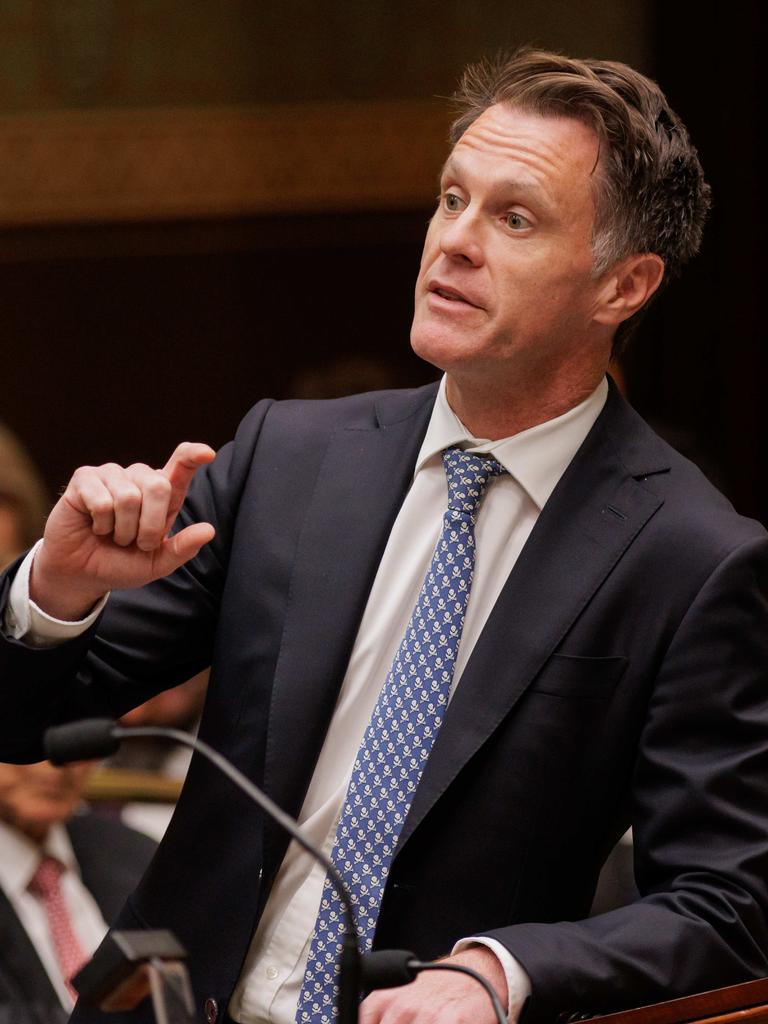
451, 294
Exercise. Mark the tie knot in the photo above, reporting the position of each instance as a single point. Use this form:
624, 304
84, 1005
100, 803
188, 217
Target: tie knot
46, 877
468, 474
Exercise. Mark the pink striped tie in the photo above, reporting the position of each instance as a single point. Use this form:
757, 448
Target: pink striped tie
45, 884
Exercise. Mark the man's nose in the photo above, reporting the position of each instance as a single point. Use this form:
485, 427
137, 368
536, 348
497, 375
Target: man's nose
460, 239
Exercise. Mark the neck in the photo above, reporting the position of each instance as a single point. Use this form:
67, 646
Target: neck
495, 412
36, 831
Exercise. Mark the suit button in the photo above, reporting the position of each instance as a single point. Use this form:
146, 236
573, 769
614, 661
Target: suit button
211, 1011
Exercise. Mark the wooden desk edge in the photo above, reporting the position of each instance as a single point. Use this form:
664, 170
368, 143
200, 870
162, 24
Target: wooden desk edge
745, 1002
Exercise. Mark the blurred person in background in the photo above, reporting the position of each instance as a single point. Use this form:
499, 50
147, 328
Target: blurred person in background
64, 874
177, 708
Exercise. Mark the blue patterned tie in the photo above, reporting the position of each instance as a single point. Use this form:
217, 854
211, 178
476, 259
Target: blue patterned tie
399, 737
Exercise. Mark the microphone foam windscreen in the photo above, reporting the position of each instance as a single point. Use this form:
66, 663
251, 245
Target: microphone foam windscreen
80, 741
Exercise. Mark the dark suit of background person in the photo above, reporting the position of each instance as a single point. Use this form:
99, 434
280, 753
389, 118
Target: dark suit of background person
112, 859
620, 678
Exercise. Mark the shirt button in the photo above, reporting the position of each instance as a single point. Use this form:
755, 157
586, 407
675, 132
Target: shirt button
272, 973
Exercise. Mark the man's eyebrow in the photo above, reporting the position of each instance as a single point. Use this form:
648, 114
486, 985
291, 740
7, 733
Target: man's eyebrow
523, 188
534, 191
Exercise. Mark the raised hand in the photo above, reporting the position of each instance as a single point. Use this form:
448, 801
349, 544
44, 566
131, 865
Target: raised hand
109, 530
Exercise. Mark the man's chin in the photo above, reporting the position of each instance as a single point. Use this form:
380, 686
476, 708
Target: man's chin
438, 346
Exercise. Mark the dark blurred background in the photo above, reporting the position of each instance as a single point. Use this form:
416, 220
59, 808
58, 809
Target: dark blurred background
203, 204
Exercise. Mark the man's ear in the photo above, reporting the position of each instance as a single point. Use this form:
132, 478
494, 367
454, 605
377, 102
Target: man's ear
627, 286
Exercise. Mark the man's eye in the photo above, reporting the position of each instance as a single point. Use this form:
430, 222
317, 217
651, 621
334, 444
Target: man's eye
517, 222
452, 202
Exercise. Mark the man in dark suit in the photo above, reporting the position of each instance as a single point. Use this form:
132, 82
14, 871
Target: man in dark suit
612, 657
98, 860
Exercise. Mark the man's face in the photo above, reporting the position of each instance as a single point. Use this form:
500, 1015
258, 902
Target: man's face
35, 796
506, 288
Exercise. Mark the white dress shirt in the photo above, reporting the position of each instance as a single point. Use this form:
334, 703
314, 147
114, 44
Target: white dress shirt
535, 459
19, 858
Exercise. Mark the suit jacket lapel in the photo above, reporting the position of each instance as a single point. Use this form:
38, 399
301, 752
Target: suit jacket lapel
364, 478
592, 517
22, 975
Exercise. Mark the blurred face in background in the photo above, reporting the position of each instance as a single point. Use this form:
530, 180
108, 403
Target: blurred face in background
35, 796
179, 707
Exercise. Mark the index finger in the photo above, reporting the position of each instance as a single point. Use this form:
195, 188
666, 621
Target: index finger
188, 457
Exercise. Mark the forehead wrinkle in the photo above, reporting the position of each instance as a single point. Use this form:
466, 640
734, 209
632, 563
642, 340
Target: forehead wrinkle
546, 153
539, 152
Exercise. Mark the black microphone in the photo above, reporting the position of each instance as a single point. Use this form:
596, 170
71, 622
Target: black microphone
387, 968
98, 737
81, 741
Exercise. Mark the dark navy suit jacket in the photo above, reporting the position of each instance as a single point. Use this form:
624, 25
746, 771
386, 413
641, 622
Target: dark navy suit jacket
621, 677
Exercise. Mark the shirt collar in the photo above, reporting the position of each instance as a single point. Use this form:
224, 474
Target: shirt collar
20, 855
536, 457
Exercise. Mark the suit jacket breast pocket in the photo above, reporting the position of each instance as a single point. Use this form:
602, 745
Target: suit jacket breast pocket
568, 675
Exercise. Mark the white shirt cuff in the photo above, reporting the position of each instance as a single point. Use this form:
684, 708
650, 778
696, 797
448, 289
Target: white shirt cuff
518, 982
24, 620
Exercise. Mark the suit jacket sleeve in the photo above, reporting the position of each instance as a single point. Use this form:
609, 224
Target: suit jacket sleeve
161, 639
700, 793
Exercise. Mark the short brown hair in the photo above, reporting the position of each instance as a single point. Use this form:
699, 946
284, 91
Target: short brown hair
650, 192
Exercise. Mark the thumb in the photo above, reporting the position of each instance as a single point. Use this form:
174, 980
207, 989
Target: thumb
178, 549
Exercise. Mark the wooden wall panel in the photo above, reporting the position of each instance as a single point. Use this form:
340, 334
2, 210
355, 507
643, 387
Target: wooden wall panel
154, 164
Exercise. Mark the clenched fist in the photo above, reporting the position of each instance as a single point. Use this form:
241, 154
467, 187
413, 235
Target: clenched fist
109, 530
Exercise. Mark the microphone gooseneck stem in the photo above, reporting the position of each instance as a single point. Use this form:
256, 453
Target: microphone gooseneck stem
350, 971
97, 737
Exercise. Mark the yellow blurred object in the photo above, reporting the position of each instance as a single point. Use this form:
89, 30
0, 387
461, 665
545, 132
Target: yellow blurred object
122, 786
